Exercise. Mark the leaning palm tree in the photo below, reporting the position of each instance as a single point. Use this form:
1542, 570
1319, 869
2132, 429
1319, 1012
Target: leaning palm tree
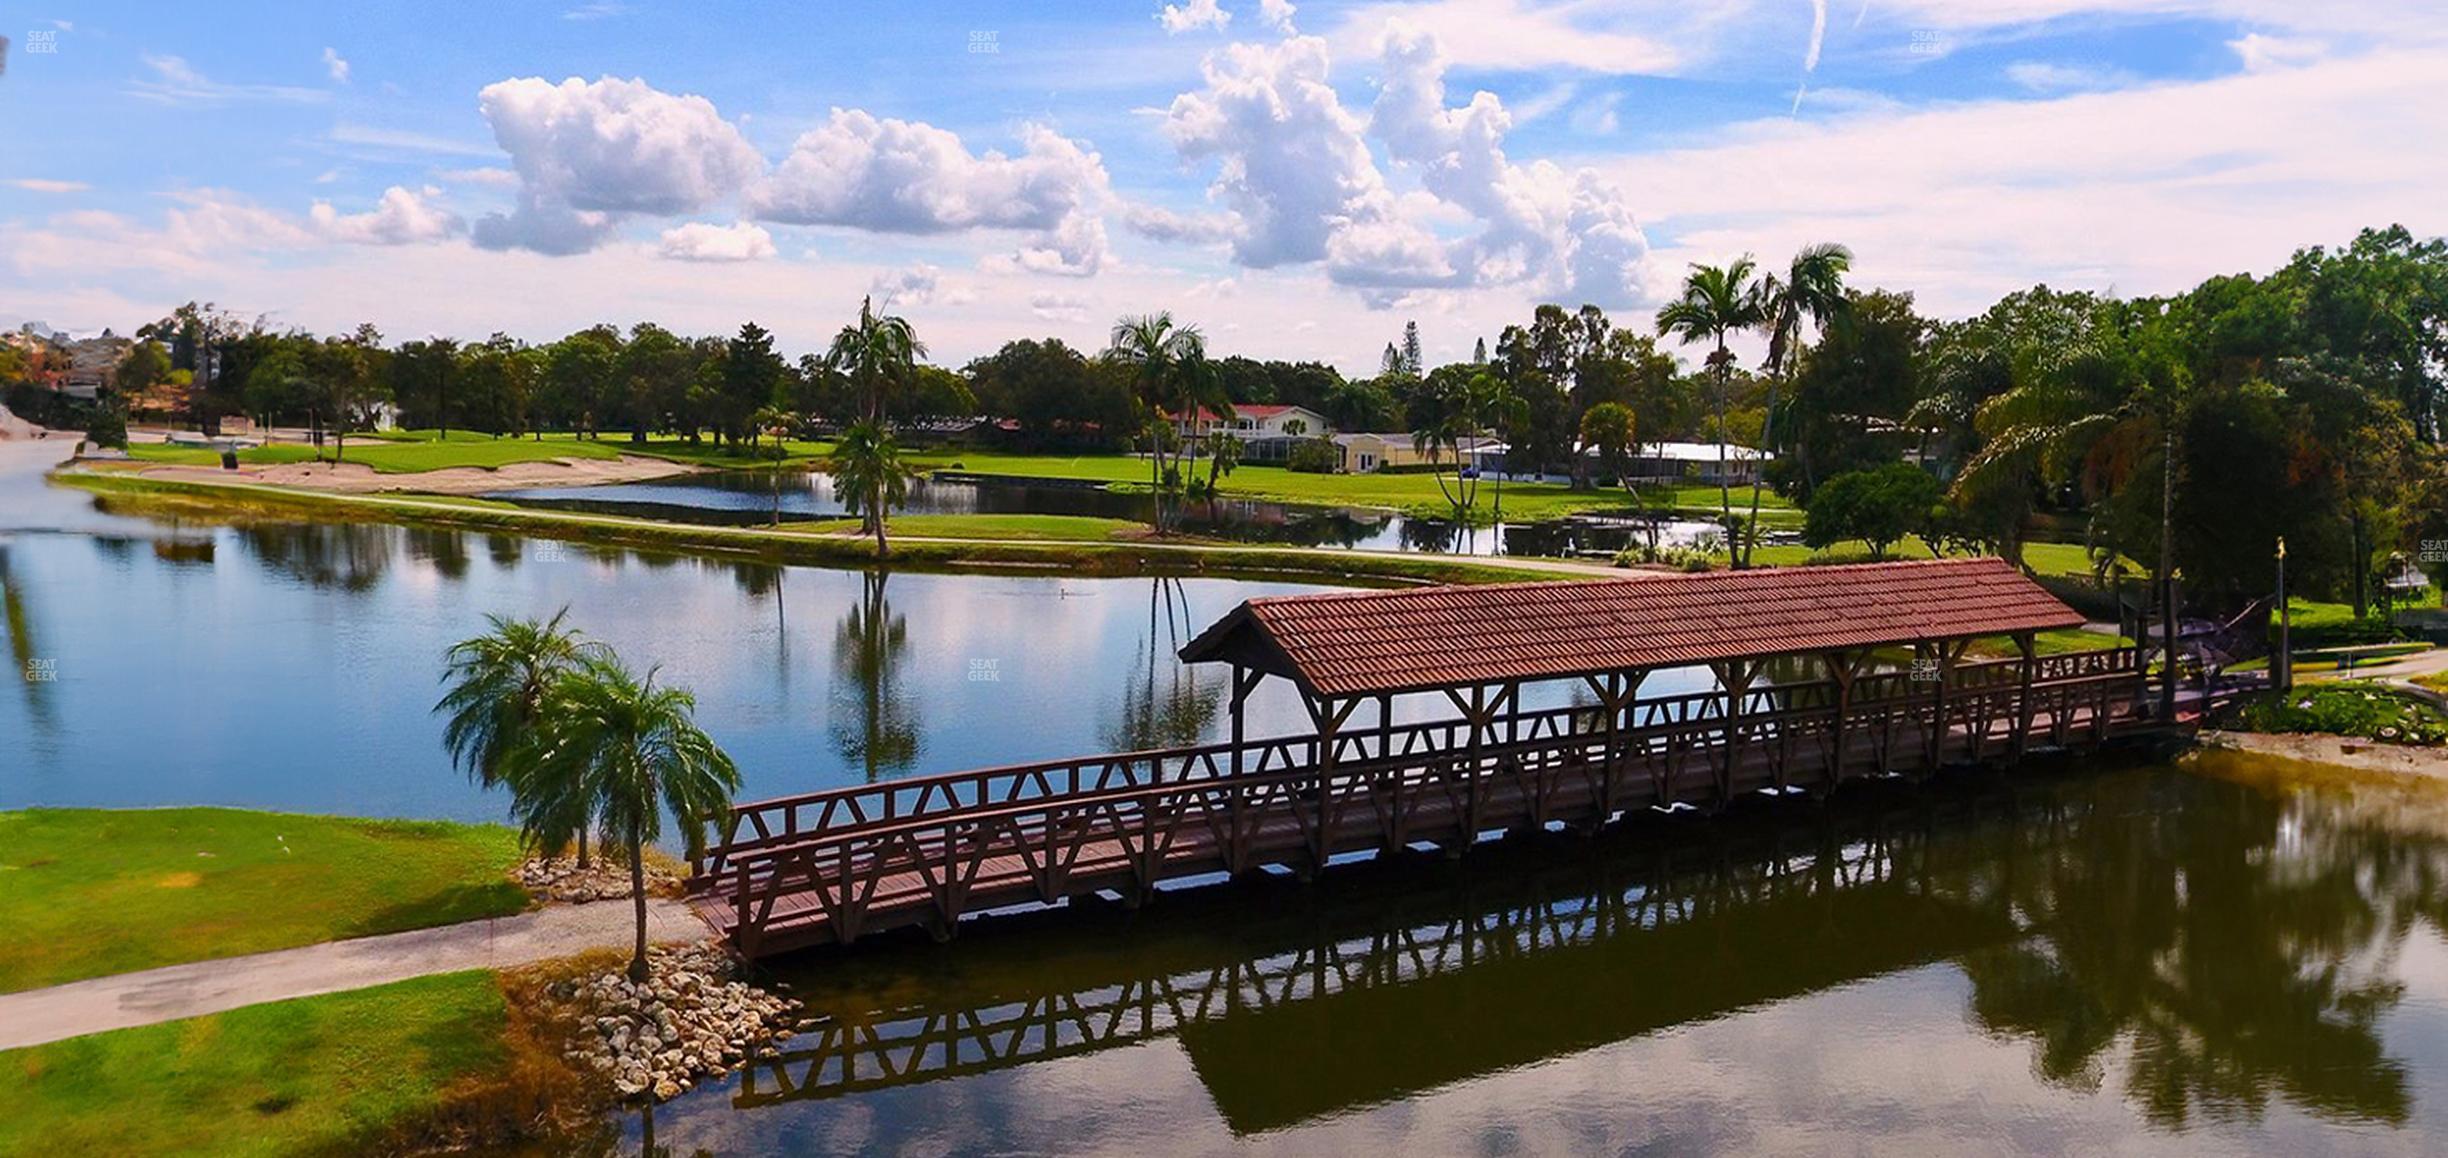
1716, 302
877, 354
1810, 291
1167, 356
624, 752
873, 476
497, 685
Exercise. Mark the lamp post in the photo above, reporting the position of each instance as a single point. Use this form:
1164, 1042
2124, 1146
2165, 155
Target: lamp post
2282, 664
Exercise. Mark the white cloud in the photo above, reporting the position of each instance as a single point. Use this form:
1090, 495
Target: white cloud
919, 286
401, 217
700, 241
46, 185
1967, 201
895, 176
335, 65
403, 141
588, 151
2042, 76
1276, 14
1058, 308
1631, 37
175, 82
1193, 15
1160, 224
2258, 52
487, 176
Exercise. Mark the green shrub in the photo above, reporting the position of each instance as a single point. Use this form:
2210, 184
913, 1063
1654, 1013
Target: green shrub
1314, 456
2367, 710
108, 427
1689, 559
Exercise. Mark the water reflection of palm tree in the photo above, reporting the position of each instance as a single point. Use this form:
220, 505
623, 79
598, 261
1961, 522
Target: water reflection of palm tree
875, 724
23, 653
1164, 704
2238, 969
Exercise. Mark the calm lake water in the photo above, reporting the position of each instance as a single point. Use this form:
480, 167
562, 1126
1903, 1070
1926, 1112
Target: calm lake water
2134, 959
2103, 956
746, 498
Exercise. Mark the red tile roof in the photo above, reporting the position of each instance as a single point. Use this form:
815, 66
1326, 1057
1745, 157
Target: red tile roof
1371, 642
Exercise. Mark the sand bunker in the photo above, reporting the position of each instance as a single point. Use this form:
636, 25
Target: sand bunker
358, 478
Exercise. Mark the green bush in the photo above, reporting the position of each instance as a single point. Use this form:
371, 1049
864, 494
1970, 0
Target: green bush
1689, 559
1314, 456
108, 427
1876, 506
2367, 710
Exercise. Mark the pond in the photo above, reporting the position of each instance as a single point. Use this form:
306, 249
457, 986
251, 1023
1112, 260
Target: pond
744, 498
2130, 958
2077, 957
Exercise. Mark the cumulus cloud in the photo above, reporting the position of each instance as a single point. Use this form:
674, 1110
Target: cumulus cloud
1295, 168
401, 217
917, 286
1291, 161
336, 65
587, 151
1276, 14
2259, 52
701, 241
896, 176
1195, 14
1058, 308
1160, 224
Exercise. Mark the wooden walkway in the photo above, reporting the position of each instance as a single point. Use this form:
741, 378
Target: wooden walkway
832, 866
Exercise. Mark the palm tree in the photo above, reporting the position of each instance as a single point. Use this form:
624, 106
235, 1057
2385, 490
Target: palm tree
1223, 454
623, 751
1167, 356
876, 353
868, 467
779, 423
1503, 410
1717, 301
1811, 290
498, 683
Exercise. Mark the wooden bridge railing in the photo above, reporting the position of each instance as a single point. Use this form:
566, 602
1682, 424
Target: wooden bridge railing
928, 841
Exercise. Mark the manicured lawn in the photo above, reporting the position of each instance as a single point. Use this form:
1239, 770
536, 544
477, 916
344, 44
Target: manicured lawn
1061, 528
395, 457
1410, 492
329, 1074
89, 892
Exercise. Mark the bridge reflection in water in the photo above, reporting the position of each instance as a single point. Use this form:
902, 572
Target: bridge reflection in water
2221, 948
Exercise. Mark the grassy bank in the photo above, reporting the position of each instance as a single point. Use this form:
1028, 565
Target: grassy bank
1049, 528
388, 457
424, 1064
90, 892
2360, 709
803, 544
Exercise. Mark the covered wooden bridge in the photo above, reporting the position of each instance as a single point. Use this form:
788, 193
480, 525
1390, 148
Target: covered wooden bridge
1801, 703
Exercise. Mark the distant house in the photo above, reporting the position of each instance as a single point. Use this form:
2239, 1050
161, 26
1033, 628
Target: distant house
1372, 451
1267, 431
1692, 462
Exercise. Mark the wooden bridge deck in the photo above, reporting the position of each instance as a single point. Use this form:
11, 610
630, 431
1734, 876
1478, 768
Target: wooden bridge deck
832, 866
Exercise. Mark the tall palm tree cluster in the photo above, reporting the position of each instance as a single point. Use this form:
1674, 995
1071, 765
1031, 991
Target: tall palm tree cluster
1721, 301
879, 355
585, 745
1171, 378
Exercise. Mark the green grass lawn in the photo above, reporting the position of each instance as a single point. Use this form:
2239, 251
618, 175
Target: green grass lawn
394, 456
90, 892
331, 1074
1050, 528
1409, 492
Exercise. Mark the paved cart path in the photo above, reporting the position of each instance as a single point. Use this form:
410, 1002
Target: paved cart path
172, 992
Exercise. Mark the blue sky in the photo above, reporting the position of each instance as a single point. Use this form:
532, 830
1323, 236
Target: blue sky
1299, 180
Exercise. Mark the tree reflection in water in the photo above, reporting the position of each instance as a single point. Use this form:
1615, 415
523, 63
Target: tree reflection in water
24, 654
2239, 944
1164, 703
874, 722
342, 556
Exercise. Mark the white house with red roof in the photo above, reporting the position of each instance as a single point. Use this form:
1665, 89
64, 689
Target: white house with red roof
1253, 421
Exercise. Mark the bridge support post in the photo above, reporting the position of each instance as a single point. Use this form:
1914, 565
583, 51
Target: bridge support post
2029, 645
1736, 677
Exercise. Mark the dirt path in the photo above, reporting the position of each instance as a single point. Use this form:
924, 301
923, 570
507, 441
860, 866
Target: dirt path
2368, 755
36, 1016
358, 478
